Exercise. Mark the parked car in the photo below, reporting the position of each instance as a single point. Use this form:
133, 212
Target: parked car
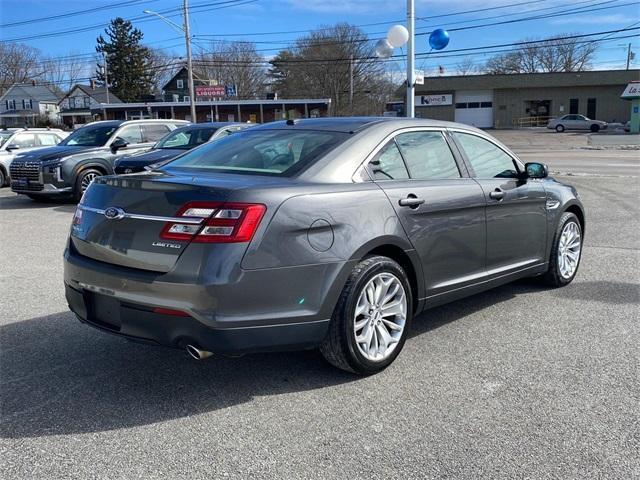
329, 233
89, 152
627, 126
176, 143
576, 122
20, 140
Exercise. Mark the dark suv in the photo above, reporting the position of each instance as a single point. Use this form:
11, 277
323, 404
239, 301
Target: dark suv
68, 168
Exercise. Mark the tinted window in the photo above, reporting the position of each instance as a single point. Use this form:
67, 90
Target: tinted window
486, 159
131, 134
153, 133
388, 164
24, 140
186, 139
4, 136
90, 136
428, 155
265, 152
48, 139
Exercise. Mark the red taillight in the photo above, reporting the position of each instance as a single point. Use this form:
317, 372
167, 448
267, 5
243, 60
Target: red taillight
221, 222
77, 216
170, 311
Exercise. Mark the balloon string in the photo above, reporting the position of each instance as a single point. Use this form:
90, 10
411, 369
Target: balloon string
425, 59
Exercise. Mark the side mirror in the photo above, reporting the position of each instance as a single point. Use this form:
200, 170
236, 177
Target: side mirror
13, 146
536, 170
117, 144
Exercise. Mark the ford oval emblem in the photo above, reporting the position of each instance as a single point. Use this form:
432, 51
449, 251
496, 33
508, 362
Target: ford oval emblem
114, 213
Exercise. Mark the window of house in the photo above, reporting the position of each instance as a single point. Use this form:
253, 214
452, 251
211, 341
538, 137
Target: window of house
388, 164
72, 102
27, 104
87, 102
486, 159
179, 84
11, 104
428, 155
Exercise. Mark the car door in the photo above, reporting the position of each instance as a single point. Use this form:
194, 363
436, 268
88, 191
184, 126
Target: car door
439, 206
516, 209
132, 134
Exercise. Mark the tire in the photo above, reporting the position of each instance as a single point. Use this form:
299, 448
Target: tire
3, 178
559, 128
595, 128
557, 275
83, 180
340, 347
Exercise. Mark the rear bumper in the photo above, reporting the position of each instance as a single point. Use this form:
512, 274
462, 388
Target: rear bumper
256, 310
140, 324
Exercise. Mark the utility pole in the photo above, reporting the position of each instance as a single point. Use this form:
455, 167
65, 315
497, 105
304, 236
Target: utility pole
351, 83
187, 37
628, 55
411, 19
106, 82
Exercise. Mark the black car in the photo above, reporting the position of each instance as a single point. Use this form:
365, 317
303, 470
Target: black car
68, 168
176, 143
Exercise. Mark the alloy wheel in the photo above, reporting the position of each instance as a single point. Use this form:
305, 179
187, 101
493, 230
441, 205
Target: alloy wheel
86, 180
569, 249
380, 316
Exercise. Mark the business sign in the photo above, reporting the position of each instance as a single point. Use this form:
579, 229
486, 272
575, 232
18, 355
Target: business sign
434, 100
210, 91
632, 91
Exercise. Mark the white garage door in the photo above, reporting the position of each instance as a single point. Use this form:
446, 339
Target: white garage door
475, 107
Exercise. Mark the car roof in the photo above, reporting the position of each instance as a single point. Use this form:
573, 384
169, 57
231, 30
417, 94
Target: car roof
206, 125
355, 124
117, 123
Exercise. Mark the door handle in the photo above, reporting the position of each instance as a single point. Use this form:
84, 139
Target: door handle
411, 201
497, 194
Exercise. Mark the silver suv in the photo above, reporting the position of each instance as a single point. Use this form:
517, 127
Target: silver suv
18, 140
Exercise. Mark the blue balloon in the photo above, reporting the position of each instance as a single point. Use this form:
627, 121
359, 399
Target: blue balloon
439, 39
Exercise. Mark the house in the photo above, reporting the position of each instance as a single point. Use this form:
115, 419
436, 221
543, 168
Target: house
76, 106
177, 88
30, 105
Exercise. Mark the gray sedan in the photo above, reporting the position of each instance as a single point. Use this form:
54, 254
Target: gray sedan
324, 233
576, 122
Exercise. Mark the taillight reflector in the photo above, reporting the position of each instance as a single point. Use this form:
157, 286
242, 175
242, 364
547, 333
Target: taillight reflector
170, 311
222, 222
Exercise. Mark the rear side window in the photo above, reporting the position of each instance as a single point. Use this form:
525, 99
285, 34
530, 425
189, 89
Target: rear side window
24, 140
486, 159
48, 139
427, 155
388, 164
153, 133
263, 152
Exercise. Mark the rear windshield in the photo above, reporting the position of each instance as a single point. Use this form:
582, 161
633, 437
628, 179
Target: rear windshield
261, 152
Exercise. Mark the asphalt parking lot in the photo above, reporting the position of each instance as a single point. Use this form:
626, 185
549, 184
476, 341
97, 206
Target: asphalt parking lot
518, 382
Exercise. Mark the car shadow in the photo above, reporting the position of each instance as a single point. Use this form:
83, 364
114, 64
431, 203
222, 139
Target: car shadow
22, 202
61, 377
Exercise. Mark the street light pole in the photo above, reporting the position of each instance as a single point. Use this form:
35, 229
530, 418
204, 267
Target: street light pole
410, 59
187, 38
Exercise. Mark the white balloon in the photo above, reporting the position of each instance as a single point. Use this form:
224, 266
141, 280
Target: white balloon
397, 35
383, 48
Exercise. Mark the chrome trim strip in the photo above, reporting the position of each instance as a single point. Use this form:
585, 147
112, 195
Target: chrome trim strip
153, 218
484, 274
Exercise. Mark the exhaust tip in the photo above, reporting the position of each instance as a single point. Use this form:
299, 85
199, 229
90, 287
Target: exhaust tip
198, 354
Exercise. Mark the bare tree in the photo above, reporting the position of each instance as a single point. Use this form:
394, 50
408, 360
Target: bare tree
233, 63
556, 54
61, 74
466, 67
325, 62
163, 67
18, 64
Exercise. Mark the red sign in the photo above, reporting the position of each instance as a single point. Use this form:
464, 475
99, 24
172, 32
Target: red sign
210, 91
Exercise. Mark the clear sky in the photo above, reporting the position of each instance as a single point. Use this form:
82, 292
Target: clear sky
82, 20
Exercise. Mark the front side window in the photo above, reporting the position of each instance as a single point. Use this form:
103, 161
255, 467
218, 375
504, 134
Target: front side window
388, 164
131, 134
186, 139
486, 159
263, 152
427, 155
90, 136
24, 140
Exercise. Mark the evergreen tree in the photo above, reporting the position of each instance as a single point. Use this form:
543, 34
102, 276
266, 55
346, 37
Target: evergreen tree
128, 62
